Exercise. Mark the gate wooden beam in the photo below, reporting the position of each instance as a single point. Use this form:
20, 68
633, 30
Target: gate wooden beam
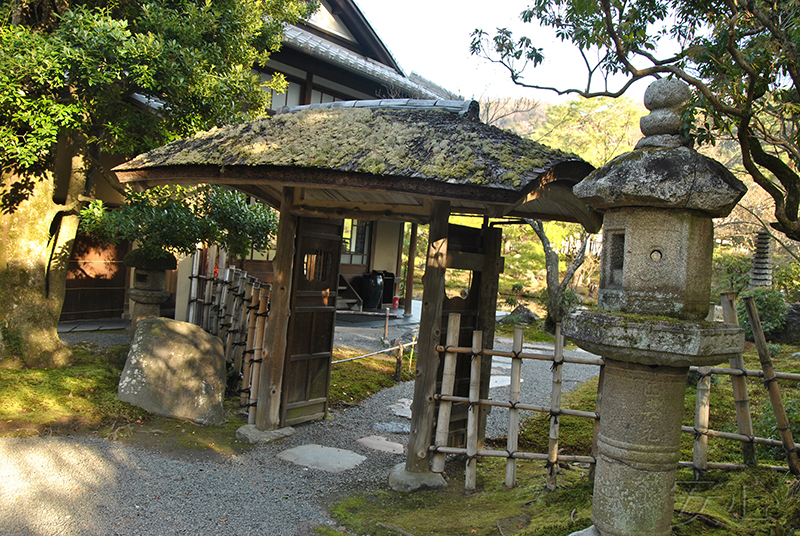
268, 408
430, 327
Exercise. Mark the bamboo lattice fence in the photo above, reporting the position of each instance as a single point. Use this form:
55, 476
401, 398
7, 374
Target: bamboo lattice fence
552, 458
228, 303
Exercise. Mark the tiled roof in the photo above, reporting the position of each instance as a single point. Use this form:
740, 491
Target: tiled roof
467, 109
309, 43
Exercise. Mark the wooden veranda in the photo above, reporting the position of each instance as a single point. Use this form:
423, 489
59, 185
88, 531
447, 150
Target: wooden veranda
407, 160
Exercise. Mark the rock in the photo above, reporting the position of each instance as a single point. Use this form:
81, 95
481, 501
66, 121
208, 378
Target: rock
250, 434
175, 369
795, 355
790, 333
520, 315
666, 93
407, 482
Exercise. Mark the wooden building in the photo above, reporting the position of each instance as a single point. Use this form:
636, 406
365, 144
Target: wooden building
335, 56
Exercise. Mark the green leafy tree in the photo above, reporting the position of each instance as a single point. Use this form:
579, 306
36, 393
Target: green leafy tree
739, 56
80, 80
172, 220
595, 129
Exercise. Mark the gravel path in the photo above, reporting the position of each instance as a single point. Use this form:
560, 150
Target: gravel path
90, 486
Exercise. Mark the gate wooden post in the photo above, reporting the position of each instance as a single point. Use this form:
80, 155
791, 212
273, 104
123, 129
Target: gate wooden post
744, 419
430, 332
268, 410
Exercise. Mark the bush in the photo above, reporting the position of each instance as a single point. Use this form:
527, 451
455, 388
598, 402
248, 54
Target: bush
731, 270
787, 279
771, 310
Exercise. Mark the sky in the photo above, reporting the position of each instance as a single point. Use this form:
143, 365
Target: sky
432, 37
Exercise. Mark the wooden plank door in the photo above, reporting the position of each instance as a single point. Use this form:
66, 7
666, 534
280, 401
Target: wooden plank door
307, 366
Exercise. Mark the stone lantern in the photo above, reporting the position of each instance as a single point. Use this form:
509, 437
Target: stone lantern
655, 276
149, 281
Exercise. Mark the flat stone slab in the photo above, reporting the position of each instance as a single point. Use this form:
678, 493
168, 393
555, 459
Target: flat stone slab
250, 434
392, 427
402, 480
380, 443
402, 408
324, 458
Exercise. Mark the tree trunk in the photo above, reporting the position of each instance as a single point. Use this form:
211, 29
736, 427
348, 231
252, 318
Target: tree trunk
555, 289
37, 239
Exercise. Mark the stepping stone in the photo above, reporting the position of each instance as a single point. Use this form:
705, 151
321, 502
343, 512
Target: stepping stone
380, 443
402, 408
392, 427
324, 458
250, 434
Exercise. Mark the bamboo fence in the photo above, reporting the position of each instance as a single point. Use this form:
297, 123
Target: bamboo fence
552, 458
228, 303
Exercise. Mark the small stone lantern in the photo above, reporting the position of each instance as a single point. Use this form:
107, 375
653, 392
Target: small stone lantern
149, 281
655, 277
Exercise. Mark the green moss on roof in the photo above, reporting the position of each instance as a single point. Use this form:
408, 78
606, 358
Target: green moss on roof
426, 144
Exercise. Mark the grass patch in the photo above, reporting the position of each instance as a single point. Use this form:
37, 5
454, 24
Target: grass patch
354, 381
77, 397
524, 510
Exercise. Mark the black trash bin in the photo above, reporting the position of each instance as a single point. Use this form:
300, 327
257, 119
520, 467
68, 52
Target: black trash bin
372, 290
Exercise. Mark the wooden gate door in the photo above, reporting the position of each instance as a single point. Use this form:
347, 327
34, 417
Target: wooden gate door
307, 367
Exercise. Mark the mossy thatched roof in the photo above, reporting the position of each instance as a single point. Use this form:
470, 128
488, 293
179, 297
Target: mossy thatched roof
402, 150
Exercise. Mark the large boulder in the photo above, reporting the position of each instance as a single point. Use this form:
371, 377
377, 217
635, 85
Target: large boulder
175, 369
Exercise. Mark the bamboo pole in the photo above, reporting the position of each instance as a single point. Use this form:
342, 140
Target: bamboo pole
540, 356
252, 319
208, 291
772, 386
194, 288
258, 356
242, 329
744, 420
471, 477
448, 382
555, 407
236, 301
513, 414
596, 423
701, 415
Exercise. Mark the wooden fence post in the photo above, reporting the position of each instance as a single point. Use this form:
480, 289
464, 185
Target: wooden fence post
513, 413
701, 415
448, 382
555, 410
744, 421
471, 478
258, 356
772, 386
